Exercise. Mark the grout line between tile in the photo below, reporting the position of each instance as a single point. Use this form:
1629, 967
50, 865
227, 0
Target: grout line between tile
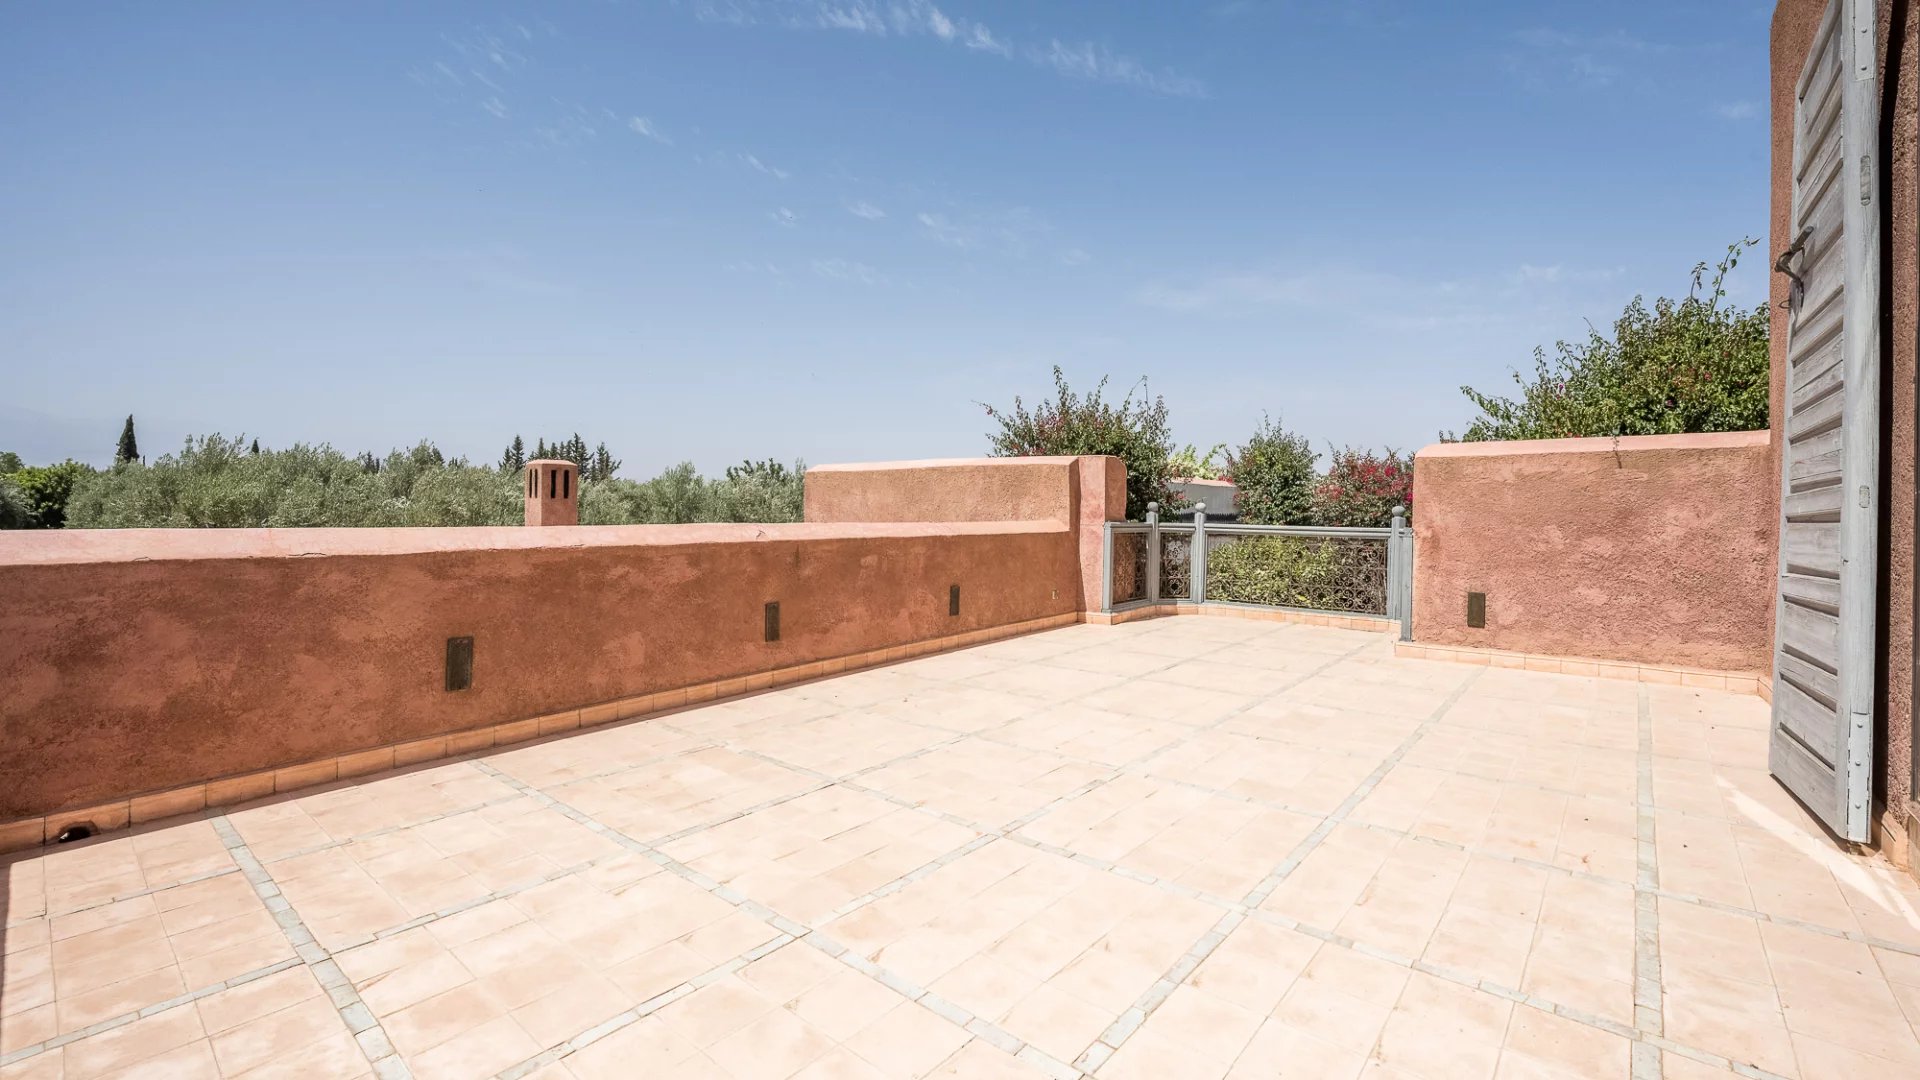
111, 1022
1116, 1035
641, 1011
1647, 1005
801, 932
368, 1035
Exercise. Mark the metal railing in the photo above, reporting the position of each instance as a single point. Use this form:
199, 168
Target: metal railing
1334, 570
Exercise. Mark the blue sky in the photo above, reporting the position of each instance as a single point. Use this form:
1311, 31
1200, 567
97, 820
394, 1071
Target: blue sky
718, 229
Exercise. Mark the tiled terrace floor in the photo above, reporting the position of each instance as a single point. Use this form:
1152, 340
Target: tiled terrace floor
1179, 848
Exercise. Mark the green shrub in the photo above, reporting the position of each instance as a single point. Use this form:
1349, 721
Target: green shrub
1288, 571
1136, 432
15, 511
1274, 475
47, 490
1686, 366
752, 492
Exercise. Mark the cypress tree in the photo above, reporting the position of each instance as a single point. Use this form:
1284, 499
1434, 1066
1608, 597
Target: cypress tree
129, 448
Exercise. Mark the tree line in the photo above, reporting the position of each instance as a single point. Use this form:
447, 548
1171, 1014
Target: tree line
220, 482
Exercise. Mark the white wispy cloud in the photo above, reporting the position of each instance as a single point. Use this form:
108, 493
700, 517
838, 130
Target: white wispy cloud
642, 126
761, 166
866, 210
1089, 61
847, 270
1013, 232
495, 106
482, 48
786, 217
573, 125
1408, 300
1736, 110
947, 231
1543, 55
1560, 273
902, 18
924, 19
1075, 257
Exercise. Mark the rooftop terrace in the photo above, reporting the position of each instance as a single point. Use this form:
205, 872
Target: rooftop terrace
1184, 847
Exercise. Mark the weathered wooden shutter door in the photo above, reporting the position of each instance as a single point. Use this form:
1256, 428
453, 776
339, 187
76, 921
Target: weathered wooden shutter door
1822, 740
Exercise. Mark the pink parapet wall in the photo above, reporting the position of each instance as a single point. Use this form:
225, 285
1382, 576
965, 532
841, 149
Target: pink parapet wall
141, 660
1652, 549
1080, 493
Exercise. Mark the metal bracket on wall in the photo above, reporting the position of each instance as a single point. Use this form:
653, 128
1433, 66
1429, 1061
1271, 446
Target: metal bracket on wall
1783, 264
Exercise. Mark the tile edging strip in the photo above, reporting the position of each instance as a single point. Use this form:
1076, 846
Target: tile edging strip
1738, 682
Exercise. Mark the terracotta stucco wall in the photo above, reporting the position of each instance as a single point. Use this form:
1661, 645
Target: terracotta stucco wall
1653, 549
144, 659
1081, 492
1897, 38
962, 489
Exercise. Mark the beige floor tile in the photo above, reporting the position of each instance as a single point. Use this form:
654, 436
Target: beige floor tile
1443, 1030
843, 1004
1255, 966
645, 1048
788, 972
276, 1036
907, 1041
133, 1044
1280, 1051
772, 1047
479, 1051
244, 1004
1558, 1046
1207, 1026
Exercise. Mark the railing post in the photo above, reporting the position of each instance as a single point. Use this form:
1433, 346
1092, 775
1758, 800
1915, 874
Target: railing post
1106, 567
1197, 556
1153, 552
1400, 573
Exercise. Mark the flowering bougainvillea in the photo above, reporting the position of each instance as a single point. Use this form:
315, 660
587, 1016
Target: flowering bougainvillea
1135, 431
1362, 487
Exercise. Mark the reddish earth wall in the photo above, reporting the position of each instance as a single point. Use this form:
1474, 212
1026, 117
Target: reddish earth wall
1654, 549
145, 659
961, 489
1081, 492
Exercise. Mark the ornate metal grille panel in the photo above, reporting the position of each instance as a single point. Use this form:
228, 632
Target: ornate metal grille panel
1129, 567
1176, 564
1320, 573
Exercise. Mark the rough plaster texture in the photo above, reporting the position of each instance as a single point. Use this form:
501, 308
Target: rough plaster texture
960, 489
135, 660
1898, 40
1653, 549
1081, 492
